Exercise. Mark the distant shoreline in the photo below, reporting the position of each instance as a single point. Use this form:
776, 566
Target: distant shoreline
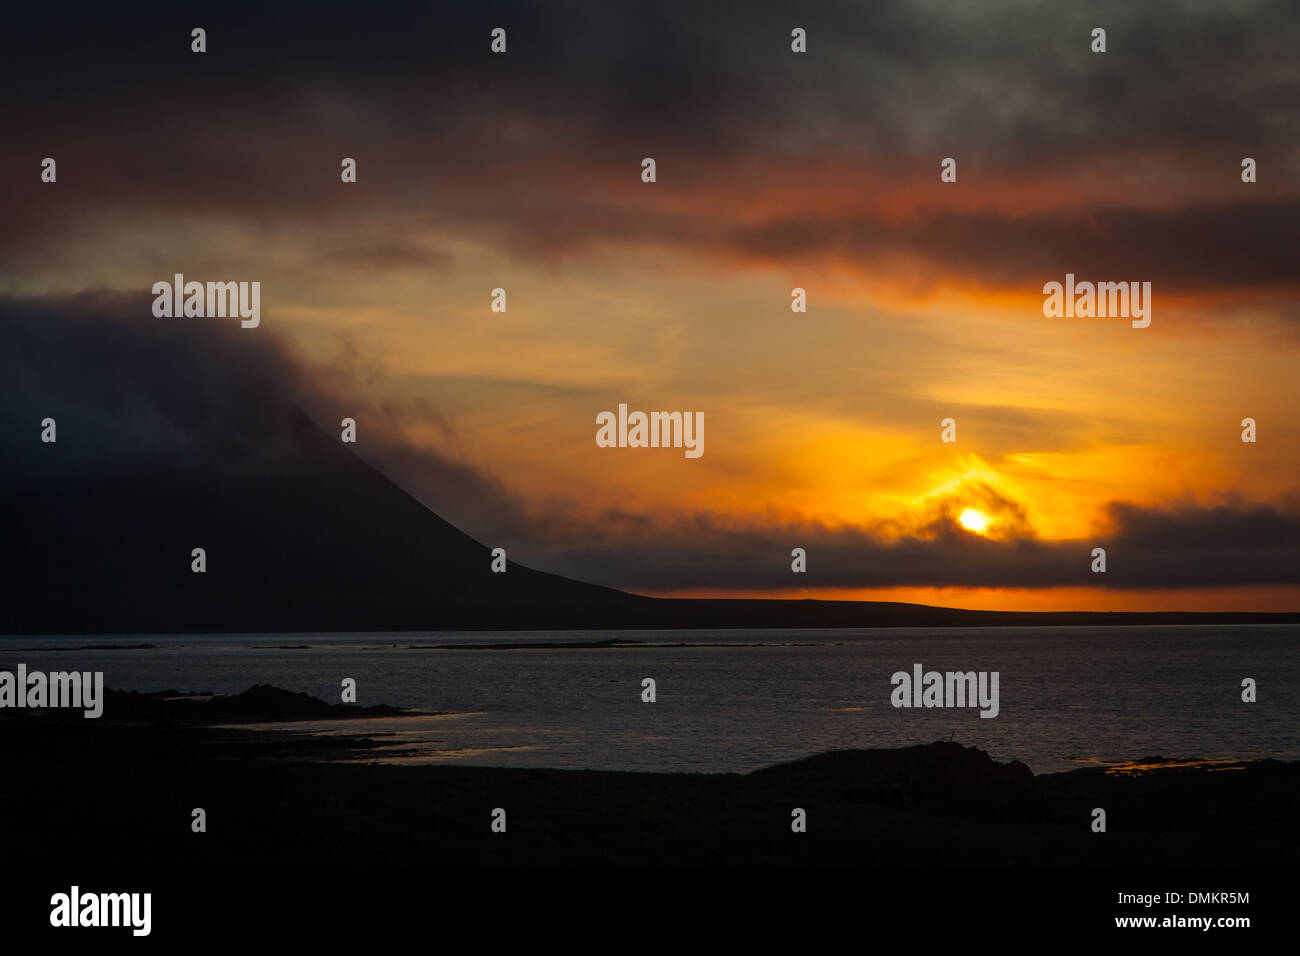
759, 614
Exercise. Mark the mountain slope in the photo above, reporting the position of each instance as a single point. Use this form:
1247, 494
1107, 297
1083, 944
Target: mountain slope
315, 539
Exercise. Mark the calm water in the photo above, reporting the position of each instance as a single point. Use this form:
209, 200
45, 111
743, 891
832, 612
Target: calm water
738, 700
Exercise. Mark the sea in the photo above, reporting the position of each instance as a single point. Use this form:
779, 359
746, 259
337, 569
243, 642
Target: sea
737, 700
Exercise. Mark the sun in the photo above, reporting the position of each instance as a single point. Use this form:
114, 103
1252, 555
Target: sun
973, 520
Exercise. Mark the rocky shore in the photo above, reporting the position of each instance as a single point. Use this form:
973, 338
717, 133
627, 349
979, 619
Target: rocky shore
127, 785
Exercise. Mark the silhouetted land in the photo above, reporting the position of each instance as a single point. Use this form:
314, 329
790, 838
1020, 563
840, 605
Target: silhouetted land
261, 702
123, 788
306, 536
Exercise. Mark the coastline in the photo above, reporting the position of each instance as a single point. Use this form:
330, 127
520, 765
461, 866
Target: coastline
279, 798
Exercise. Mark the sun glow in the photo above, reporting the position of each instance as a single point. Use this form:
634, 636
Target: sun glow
973, 520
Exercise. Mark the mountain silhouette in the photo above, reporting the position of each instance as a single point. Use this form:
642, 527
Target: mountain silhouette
178, 435
314, 538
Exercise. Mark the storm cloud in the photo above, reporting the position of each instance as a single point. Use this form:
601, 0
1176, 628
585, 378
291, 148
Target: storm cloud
1129, 161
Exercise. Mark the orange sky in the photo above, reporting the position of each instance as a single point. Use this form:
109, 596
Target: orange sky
924, 297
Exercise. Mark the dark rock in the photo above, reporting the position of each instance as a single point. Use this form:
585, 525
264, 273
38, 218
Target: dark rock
939, 776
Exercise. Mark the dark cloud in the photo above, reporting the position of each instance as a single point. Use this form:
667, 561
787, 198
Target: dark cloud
531, 150
1147, 548
1003, 74
1243, 245
125, 390
130, 392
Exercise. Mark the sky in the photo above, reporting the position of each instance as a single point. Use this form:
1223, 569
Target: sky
774, 170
